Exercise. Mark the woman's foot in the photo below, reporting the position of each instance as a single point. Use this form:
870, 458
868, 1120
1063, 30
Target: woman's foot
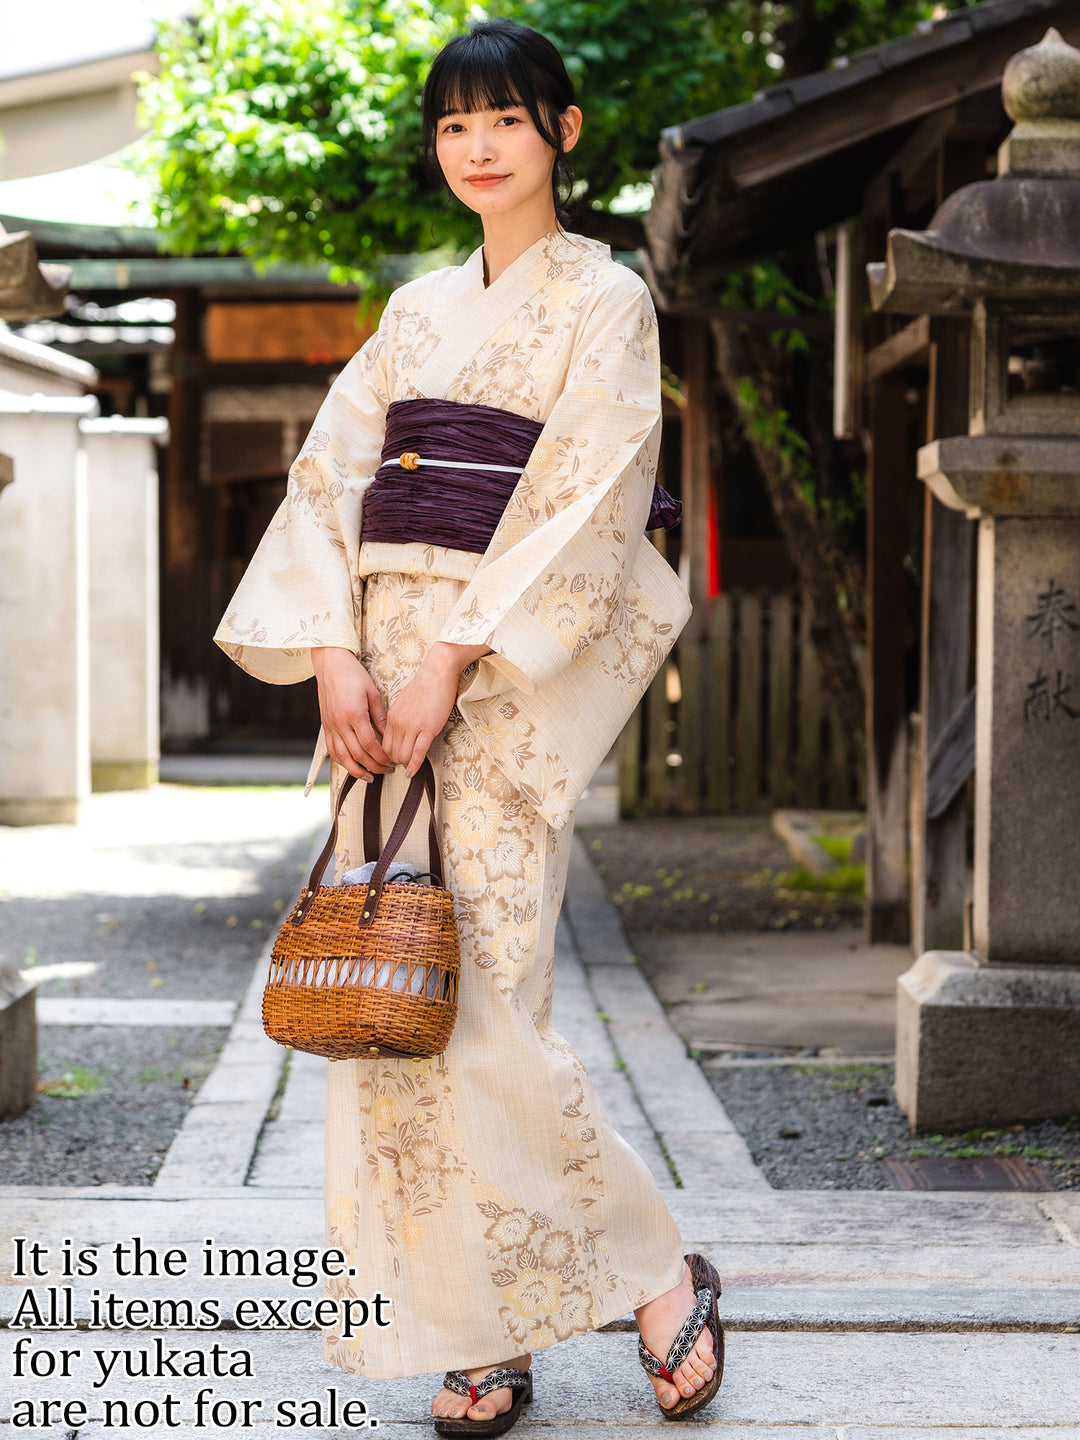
658, 1323
450, 1405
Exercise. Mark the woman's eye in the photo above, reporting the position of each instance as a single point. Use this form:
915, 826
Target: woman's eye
513, 119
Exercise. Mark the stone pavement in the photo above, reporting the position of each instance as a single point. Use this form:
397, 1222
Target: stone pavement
849, 1315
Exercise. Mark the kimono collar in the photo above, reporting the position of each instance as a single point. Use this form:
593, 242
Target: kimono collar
545, 259
548, 259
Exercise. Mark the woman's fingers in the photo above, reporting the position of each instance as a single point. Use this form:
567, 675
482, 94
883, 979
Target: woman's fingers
398, 739
361, 752
341, 755
376, 707
420, 747
369, 743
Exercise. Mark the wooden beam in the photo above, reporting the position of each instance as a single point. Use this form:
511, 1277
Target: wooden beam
718, 697
187, 534
939, 863
950, 761
696, 369
909, 346
889, 477
694, 559
939, 855
917, 152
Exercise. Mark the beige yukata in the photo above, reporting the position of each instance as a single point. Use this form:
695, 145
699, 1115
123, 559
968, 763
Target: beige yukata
484, 1190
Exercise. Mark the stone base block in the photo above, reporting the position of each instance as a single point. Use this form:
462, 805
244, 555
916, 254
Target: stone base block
38, 811
18, 1050
123, 774
980, 1044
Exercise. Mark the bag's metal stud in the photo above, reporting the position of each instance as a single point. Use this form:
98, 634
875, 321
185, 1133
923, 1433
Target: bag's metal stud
375, 1050
371, 891
367, 914
410, 460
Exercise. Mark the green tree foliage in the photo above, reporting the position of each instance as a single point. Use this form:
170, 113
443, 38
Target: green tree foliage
289, 130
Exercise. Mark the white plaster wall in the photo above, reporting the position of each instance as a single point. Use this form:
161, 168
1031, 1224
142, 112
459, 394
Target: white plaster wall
23, 381
44, 631
124, 637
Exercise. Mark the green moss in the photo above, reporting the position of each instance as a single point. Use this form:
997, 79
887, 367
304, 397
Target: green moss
73, 1084
844, 880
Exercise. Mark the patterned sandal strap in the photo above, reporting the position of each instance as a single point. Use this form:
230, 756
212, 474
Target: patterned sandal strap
460, 1383
683, 1343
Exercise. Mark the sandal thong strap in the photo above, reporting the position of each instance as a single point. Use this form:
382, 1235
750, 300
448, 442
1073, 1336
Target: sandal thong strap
682, 1344
460, 1383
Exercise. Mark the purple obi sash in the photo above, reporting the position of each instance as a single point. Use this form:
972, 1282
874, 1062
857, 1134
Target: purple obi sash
455, 505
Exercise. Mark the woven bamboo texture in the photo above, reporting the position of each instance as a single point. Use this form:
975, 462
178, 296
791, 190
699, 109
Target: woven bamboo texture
337, 990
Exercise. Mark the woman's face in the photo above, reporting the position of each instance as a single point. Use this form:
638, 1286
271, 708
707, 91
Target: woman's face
496, 160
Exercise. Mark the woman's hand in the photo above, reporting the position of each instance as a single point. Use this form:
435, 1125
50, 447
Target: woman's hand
352, 712
423, 706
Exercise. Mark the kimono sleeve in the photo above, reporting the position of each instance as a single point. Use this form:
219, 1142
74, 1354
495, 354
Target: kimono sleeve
302, 587
552, 578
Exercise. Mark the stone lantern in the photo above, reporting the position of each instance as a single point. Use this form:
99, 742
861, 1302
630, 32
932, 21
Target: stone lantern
28, 289
992, 1035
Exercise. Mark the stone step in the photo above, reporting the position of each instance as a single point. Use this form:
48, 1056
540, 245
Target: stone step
101, 1010
840, 1386
849, 1218
872, 1277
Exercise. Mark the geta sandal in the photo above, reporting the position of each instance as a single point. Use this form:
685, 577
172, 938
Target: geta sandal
706, 1283
520, 1381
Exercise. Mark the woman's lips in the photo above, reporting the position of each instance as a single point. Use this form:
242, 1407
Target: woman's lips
485, 180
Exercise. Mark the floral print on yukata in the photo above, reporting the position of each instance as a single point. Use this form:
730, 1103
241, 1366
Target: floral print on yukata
498, 1151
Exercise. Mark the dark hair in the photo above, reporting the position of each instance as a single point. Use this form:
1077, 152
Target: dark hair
495, 65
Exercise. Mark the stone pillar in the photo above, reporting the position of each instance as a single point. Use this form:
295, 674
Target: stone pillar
122, 484
1028, 739
992, 1035
18, 1043
44, 639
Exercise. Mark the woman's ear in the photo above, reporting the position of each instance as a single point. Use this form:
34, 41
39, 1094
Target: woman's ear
570, 125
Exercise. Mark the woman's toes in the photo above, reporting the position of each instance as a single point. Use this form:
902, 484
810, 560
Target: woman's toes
484, 1409
449, 1406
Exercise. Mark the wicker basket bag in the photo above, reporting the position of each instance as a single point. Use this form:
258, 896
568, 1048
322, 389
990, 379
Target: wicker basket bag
368, 970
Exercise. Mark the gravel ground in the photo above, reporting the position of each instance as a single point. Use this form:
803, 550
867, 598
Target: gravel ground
163, 894
170, 899
166, 947
709, 872
826, 1127
132, 1089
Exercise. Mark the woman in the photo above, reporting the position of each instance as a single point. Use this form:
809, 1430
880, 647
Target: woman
501, 613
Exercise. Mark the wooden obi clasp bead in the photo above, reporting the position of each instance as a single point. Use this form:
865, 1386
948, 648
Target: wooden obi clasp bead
410, 460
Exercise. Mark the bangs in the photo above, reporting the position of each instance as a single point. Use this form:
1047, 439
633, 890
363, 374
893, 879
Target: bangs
482, 86
484, 72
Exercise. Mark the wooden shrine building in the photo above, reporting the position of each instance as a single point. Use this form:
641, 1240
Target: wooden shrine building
851, 152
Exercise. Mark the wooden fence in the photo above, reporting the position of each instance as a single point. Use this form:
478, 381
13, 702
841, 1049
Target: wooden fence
737, 720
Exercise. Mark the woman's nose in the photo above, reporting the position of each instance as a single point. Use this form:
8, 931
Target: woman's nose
482, 147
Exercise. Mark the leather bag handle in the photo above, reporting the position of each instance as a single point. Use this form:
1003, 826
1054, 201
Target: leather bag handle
372, 811
423, 782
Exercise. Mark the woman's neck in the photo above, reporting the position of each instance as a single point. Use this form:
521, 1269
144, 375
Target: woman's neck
508, 236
